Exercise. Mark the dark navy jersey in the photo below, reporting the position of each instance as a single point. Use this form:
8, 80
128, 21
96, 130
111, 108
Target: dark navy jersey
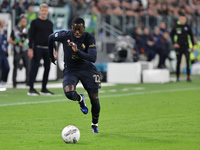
84, 57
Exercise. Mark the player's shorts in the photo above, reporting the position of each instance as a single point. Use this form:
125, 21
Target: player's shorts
89, 77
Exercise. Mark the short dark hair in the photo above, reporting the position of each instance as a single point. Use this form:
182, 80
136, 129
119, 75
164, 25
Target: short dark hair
78, 21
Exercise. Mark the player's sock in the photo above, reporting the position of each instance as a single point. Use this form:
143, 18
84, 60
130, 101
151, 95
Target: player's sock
72, 95
81, 98
95, 111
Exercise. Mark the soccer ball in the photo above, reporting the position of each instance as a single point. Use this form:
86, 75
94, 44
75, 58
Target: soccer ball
70, 134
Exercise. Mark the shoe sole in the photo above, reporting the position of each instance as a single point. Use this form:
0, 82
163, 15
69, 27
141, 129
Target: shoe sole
42, 93
32, 94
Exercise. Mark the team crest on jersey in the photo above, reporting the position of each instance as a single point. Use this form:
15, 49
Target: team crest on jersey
83, 45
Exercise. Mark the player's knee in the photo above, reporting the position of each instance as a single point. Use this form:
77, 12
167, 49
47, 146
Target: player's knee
72, 95
93, 96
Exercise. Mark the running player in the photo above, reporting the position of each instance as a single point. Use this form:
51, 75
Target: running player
79, 54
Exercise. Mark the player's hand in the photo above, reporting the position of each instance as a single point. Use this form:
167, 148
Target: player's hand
30, 53
176, 45
74, 46
53, 60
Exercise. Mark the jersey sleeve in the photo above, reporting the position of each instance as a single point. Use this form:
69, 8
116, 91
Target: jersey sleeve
91, 54
57, 36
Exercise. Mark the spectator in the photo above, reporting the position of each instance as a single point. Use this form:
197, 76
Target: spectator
155, 37
26, 4
148, 45
33, 3
139, 41
4, 65
31, 15
19, 38
164, 49
163, 27
6, 7
19, 9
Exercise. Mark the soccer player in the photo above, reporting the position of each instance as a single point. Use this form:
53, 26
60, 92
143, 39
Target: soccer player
179, 36
40, 30
79, 54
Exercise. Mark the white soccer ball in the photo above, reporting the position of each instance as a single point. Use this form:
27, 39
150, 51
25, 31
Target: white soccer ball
70, 134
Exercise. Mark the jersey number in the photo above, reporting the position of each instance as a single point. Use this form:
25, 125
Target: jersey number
97, 78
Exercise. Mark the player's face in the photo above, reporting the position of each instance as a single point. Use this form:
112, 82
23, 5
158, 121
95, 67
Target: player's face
43, 12
78, 30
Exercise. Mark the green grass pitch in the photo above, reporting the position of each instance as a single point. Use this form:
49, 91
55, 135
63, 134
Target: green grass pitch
133, 117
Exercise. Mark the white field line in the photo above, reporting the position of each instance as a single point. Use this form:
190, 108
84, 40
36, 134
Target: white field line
103, 96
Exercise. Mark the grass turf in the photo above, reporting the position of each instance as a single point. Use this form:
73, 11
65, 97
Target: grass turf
133, 116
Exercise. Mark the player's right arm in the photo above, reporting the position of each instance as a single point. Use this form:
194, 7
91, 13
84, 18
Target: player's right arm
57, 36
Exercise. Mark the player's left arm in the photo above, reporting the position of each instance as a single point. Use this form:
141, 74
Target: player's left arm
91, 54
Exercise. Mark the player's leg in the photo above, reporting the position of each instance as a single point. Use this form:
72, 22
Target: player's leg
178, 56
45, 56
90, 79
187, 56
95, 110
35, 63
70, 81
71, 94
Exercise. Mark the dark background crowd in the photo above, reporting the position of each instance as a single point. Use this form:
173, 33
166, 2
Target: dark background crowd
131, 9
147, 21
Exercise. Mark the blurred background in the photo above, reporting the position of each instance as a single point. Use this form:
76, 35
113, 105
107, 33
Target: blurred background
125, 30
